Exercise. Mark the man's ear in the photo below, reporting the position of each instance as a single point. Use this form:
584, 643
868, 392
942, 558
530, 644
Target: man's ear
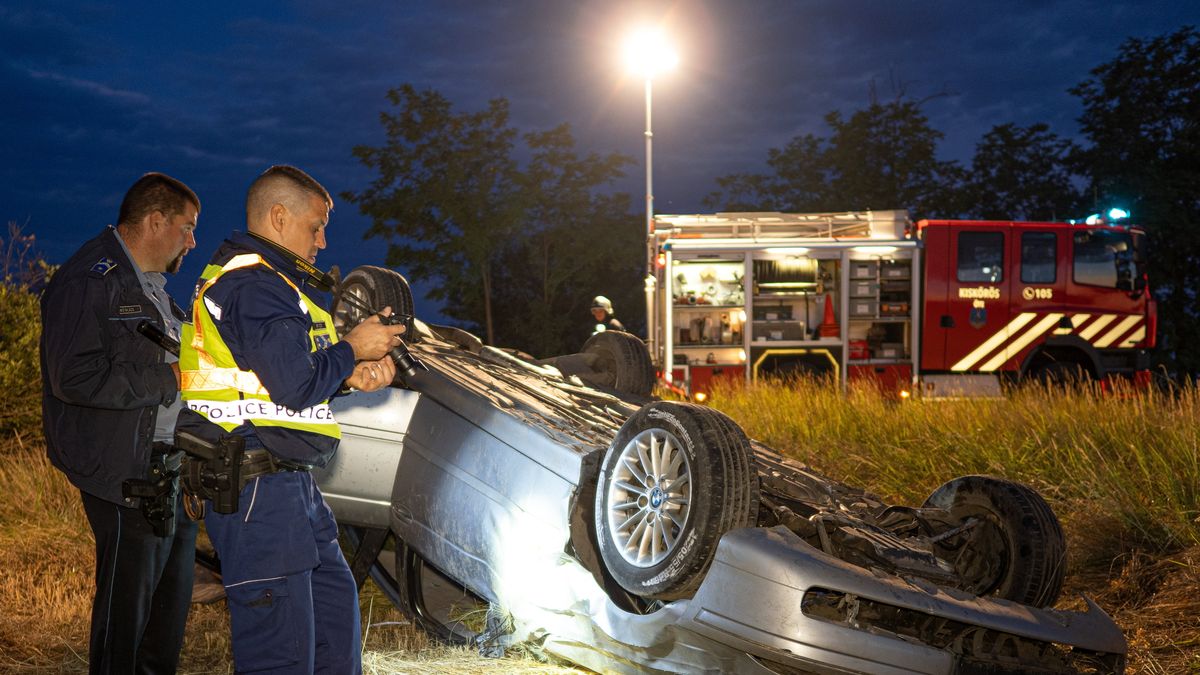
154, 221
279, 216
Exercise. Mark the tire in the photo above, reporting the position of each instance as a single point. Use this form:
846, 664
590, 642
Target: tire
1016, 551
621, 362
657, 536
375, 288
404, 577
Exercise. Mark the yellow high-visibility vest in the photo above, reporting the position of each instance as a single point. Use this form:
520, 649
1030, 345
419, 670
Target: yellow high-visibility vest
214, 386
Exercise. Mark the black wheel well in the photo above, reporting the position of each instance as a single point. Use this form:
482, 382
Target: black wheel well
1072, 350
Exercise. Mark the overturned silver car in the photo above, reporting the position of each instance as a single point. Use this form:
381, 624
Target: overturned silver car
628, 534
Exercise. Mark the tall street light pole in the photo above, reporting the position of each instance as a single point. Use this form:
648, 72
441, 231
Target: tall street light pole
647, 53
649, 182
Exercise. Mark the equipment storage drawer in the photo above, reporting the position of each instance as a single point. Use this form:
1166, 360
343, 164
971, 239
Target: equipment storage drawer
862, 269
863, 306
891, 269
863, 288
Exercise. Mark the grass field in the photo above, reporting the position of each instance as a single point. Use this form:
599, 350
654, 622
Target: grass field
1120, 471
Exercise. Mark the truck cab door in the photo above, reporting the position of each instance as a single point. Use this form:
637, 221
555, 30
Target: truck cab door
935, 289
977, 324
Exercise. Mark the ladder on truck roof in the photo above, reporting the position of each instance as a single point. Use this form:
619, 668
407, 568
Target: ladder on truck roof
776, 225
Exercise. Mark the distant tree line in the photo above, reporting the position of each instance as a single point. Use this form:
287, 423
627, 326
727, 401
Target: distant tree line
516, 251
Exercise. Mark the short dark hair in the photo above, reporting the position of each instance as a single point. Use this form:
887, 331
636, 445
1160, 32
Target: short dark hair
272, 185
155, 192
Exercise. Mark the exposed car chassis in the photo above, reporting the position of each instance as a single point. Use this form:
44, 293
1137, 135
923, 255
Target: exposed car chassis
532, 490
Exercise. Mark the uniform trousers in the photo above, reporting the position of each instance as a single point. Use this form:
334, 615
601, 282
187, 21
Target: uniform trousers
293, 603
143, 589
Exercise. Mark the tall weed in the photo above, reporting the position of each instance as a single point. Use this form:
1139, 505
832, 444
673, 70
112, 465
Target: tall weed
1121, 465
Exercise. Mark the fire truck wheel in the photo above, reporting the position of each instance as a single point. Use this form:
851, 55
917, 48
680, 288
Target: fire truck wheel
677, 478
1060, 374
622, 362
374, 288
1012, 545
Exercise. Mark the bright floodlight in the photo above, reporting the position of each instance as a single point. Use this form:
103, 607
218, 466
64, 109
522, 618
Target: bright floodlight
647, 53
1117, 214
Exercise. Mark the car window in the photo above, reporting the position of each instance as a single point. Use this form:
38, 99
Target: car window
1038, 257
981, 257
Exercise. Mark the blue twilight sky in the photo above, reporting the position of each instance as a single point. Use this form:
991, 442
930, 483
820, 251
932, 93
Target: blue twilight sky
95, 93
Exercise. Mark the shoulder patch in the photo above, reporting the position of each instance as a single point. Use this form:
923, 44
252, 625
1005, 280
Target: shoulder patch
103, 266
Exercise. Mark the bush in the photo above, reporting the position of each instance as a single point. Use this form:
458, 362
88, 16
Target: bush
22, 272
20, 374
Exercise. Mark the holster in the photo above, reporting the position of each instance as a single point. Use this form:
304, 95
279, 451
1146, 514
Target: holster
158, 491
212, 471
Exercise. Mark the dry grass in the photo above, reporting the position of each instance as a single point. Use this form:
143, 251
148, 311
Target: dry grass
46, 568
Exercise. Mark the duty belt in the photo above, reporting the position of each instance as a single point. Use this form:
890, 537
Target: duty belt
217, 471
257, 463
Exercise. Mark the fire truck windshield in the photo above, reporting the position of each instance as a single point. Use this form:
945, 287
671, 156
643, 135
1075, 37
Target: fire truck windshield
1104, 258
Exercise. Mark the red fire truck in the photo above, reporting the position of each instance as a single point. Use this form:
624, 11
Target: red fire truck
939, 307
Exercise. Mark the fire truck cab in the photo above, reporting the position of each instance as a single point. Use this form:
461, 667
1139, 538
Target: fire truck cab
942, 307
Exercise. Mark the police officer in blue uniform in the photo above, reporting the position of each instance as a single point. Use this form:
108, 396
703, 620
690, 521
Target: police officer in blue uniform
109, 402
261, 360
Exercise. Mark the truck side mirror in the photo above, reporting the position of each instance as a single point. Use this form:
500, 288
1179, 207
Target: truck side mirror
1125, 276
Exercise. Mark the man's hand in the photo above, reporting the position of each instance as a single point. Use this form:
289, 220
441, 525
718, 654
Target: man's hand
372, 375
178, 380
372, 340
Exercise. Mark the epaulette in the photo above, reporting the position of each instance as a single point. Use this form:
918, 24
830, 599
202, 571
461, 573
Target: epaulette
103, 266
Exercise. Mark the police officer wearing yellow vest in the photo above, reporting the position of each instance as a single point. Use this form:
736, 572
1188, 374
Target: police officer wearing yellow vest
261, 360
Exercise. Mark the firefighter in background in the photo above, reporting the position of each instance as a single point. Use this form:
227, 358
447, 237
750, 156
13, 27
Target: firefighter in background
261, 360
602, 310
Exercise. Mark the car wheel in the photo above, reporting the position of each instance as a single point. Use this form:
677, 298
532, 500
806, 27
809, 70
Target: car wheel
621, 362
434, 602
677, 478
1011, 544
373, 288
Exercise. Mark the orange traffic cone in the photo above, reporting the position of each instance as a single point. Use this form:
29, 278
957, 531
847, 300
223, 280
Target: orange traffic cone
829, 326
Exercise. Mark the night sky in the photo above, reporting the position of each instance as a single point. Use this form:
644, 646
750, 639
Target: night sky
97, 93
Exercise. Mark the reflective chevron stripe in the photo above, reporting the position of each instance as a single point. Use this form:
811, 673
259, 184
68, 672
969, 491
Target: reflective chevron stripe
1076, 321
1010, 341
991, 343
1096, 326
1013, 348
1112, 335
1137, 336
